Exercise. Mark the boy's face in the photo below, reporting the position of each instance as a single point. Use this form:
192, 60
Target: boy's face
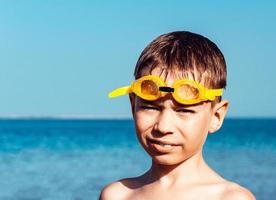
171, 132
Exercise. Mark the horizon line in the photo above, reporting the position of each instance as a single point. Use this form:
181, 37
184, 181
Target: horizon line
104, 117
15, 116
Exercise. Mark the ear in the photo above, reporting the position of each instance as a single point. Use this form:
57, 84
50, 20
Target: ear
219, 112
132, 102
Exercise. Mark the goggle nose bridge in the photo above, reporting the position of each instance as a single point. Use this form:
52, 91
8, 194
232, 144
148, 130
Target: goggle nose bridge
166, 89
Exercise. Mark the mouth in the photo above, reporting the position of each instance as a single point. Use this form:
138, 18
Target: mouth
161, 146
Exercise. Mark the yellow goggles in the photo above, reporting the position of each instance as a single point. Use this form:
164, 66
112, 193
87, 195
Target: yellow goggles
183, 91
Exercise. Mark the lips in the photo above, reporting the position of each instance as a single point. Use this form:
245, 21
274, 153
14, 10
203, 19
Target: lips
161, 142
161, 145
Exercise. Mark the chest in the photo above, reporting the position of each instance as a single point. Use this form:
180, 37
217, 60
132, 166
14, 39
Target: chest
191, 193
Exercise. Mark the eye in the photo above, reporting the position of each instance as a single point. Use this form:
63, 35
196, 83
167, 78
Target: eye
148, 107
185, 110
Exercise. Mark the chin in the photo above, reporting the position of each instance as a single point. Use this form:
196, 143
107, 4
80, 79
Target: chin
166, 160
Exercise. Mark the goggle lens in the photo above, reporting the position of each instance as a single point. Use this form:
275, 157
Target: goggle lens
149, 87
187, 92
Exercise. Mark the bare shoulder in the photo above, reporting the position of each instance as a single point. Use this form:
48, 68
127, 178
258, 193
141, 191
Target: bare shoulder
113, 191
233, 191
118, 190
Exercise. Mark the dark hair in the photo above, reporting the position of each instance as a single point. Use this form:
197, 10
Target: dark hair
184, 53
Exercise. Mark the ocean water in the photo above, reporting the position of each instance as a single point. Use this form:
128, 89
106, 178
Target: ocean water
73, 159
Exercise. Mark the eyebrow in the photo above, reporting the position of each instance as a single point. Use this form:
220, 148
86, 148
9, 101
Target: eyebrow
147, 102
175, 104
157, 103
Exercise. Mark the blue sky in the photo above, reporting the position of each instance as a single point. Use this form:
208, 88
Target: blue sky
61, 58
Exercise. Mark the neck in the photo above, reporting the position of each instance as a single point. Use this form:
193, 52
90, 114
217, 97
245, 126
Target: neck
189, 171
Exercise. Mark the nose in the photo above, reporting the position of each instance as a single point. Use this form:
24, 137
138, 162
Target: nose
165, 122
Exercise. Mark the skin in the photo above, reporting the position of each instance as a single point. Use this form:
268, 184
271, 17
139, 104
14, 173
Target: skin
178, 170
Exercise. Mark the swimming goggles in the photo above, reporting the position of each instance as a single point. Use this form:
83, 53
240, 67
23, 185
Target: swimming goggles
183, 91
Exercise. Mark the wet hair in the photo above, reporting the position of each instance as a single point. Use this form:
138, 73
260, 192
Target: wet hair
184, 54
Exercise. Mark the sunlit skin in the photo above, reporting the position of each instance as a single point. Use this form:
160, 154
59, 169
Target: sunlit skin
173, 135
166, 121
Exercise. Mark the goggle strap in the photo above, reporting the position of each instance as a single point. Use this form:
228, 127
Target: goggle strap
212, 93
119, 92
166, 89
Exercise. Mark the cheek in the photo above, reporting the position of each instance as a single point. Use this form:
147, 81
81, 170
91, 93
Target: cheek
143, 123
197, 130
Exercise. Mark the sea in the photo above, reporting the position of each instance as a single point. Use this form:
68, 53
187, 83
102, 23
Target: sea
73, 159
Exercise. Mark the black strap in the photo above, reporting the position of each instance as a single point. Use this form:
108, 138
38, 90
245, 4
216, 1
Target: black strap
166, 89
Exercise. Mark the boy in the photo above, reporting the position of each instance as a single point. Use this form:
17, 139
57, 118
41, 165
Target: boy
176, 102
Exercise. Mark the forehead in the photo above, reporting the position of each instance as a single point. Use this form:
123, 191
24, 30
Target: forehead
168, 101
